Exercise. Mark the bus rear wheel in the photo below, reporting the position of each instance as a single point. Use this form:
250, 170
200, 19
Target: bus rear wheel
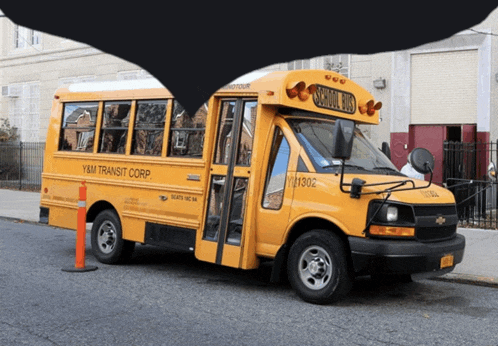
318, 268
108, 245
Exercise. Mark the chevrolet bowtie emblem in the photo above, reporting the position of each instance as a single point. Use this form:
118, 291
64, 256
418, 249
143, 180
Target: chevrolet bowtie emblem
440, 220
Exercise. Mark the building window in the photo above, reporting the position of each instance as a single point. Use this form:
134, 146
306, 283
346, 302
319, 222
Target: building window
299, 65
25, 37
24, 110
338, 63
80, 79
136, 74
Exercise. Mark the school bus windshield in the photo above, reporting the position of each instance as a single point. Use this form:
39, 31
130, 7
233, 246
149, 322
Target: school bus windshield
316, 137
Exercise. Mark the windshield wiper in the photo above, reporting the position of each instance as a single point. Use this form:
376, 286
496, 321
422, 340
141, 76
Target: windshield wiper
346, 165
388, 169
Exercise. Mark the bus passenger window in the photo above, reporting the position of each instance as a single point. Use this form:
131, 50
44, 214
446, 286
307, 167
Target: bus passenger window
277, 170
78, 126
247, 133
149, 128
186, 136
115, 120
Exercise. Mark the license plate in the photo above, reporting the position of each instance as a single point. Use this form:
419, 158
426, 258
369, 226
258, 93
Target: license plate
446, 261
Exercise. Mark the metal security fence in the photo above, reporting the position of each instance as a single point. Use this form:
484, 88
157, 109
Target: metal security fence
21, 165
465, 174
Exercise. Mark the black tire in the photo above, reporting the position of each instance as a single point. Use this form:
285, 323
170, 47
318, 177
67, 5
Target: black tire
107, 241
318, 267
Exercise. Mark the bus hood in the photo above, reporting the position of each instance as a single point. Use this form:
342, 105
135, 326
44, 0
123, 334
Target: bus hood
433, 194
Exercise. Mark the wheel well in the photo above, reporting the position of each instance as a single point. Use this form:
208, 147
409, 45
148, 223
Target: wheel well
309, 224
96, 208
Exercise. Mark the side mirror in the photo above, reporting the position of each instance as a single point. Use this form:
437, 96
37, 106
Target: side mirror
386, 150
422, 160
343, 139
492, 171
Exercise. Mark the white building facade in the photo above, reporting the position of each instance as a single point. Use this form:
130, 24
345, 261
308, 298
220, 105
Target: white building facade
440, 91
34, 64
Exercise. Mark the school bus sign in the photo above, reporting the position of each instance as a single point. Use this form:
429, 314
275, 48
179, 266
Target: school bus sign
334, 99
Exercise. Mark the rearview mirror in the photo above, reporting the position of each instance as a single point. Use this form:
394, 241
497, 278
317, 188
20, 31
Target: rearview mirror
386, 150
422, 160
343, 139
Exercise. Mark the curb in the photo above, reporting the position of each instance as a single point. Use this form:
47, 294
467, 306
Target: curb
478, 280
18, 220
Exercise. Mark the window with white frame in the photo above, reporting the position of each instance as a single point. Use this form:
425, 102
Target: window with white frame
25, 37
24, 111
80, 79
299, 65
135, 74
339, 63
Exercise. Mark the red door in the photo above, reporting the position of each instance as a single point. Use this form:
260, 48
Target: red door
432, 137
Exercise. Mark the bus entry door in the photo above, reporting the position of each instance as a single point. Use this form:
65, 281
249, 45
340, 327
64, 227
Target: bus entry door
223, 238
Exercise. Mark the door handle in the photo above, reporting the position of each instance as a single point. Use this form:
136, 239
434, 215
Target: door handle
163, 197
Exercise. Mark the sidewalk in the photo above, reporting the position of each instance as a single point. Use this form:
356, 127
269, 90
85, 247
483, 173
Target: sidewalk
479, 265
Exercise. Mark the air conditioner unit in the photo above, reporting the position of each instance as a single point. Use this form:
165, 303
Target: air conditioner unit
11, 91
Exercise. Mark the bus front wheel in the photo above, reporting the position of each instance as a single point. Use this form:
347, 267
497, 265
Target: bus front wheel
108, 245
317, 267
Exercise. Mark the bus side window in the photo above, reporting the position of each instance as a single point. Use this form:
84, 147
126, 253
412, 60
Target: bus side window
186, 136
148, 132
115, 121
277, 171
78, 126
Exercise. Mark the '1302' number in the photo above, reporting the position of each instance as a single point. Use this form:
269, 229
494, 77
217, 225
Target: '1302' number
301, 182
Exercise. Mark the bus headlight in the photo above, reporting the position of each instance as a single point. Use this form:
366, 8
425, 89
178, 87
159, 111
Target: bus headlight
388, 213
392, 214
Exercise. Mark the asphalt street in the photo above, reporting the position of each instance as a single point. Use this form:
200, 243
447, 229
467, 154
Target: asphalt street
167, 298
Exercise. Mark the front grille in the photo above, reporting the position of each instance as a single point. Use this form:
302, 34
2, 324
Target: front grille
428, 234
434, 210
427, 228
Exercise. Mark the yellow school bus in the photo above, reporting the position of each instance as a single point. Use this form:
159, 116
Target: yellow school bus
272, 168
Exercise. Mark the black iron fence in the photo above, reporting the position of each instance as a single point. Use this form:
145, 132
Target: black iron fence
21, 165
465, 174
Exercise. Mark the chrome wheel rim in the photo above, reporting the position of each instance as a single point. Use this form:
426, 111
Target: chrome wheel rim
106, 237
315, 267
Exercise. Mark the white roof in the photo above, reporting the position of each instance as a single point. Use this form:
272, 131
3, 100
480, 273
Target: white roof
249, 77
133, 84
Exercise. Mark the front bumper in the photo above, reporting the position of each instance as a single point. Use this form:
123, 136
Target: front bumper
374, 256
